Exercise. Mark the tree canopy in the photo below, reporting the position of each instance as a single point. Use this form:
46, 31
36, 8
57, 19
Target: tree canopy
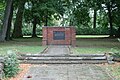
88, 16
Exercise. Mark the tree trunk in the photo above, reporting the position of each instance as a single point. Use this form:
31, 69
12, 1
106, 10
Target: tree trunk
110, 19
17, 33
8, 34
94, 23
34, 27
6, 19
118, 33
46, 19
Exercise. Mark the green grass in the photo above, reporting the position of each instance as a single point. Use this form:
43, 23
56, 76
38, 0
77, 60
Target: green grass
94, 50
87, 45
115, 71
96, 45
26, 45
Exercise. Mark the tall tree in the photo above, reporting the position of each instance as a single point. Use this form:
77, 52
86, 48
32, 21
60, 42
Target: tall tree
95, 16
17, 32
2, 8
109, 8
94, 5
6, 19
81, 14
8, 34
35, 22
116, 17
42, 12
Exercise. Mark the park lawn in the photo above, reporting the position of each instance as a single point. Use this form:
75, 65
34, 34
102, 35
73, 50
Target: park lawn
96, 45
23, 45
94, 50
112, 69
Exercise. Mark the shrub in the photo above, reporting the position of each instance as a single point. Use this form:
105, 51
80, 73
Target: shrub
39, 30
90, 30
11, 64
27, 31
116, 55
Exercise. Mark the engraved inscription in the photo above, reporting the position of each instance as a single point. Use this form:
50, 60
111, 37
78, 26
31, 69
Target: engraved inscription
59, 35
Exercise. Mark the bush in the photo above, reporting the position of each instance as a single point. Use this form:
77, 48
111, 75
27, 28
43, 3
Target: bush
116, 55
39, 30
90, 30
27, 31
11, 65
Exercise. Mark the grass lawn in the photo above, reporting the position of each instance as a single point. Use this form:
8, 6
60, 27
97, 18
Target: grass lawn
113, 70
26, 45
95, 50
96, 45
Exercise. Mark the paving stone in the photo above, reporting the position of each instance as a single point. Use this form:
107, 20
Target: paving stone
65, 71
57, 50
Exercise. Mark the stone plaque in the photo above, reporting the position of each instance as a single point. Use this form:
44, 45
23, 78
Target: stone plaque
59, 35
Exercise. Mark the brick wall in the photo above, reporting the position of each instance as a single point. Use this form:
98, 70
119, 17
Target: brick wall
69, 36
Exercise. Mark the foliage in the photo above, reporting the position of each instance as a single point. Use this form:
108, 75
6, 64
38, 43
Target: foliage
11, 64
42, 10
39, 30
116, 55
82, 15
89, 30
28, 30
79, 13
2, 6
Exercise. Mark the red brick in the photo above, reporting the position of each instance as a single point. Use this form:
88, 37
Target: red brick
69, 36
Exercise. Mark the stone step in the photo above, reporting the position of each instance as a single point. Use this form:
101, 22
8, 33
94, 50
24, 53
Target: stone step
64, 62
63, 58
62, 55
